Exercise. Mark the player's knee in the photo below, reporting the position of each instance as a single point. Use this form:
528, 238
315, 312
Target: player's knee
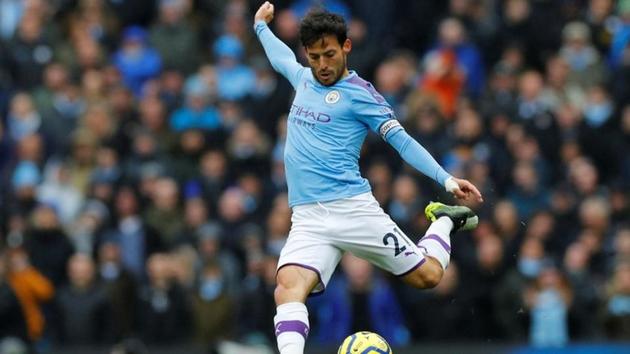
283, 294
290, 286
431, 277
280, 293
284, 286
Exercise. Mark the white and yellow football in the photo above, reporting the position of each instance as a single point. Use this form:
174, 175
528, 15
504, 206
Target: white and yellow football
364, 343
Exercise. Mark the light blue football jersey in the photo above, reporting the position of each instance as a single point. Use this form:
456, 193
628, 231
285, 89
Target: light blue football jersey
326, 128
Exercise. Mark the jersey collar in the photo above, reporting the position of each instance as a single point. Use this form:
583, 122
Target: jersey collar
351, 74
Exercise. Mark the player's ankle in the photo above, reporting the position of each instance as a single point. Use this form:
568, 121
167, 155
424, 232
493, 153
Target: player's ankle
447, 221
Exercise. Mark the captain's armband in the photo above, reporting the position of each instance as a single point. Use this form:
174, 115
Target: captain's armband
387, 126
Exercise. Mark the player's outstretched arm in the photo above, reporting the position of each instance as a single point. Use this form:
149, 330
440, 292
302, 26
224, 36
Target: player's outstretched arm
282, 58
417, 156
373, 110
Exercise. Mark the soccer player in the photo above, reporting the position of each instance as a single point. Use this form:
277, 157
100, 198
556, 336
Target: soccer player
333, 207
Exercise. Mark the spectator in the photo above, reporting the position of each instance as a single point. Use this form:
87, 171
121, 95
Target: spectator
84, 232
249, 148
14, 321
153, 118
584, 178
30, 51
62, 116
549, 302
32, 290
465, 56
535, 114
24, 181
618, 48
214, 174
506, 223
488, 271
257, 303
559, 90
196, 215
144, 159
443, 80
136, 61
585, 65
137, 241
11, 13
83, 310
616, 314
599, 115
585, 305
83, 51
163, 311
107, 167
99, 21
47, 244
210, 251
527, 194
198, 113
164, 214
58, 191
174, 38
82, 161
508, 296
598, 15
183, 261
191, 145
235, 80
121, 289
23, 119
214, 310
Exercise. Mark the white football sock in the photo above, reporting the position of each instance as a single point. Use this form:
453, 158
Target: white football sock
292, 327
436, 242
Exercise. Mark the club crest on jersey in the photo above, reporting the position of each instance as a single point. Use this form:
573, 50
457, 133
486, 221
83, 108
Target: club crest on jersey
332, 97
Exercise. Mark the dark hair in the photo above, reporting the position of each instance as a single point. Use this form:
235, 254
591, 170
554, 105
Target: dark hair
318, 23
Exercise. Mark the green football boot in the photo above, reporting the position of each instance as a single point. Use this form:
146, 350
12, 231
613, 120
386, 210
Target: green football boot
463, 218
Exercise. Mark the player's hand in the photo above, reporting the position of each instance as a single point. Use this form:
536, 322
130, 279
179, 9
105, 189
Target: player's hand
264, 13
463, 189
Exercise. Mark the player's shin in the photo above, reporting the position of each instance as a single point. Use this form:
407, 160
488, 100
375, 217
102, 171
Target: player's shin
437, 241
292, 327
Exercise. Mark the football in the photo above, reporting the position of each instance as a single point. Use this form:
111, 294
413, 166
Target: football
364, 343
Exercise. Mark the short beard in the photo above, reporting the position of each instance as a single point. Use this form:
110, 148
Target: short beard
338, 75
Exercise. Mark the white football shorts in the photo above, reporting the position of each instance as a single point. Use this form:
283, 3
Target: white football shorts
322, 232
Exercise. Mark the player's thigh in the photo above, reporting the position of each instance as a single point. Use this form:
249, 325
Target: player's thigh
311, 254
368, 232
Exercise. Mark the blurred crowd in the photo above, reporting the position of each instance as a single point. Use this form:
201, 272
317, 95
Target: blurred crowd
143, 188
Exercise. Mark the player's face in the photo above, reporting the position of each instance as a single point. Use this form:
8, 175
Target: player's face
327, 59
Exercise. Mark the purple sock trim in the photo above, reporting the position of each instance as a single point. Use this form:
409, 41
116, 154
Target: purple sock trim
292, 326
439, 240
